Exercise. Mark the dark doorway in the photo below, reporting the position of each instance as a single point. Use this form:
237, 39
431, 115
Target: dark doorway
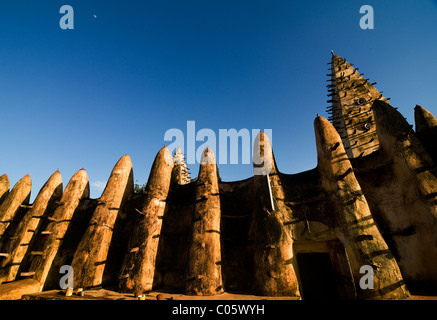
317, 276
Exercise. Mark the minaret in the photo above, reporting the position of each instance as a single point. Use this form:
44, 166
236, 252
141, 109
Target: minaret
352, 96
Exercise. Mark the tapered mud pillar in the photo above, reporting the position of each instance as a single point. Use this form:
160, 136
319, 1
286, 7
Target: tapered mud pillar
356, 228
426, 129
424, 119
415, 219
138, 269
90, 258
274, 262
17, 246
204, 276
4, 187
59, 222
19, 195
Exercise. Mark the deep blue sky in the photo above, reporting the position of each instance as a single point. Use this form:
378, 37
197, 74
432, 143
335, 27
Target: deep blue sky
116, 83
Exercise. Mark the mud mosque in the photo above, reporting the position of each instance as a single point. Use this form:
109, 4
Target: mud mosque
371, 201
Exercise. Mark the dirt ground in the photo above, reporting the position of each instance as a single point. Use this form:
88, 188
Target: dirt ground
104, 294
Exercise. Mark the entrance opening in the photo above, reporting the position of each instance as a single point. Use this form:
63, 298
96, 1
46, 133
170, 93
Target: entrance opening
317, 276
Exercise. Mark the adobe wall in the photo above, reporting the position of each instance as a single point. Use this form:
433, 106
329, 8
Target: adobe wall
377, 207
